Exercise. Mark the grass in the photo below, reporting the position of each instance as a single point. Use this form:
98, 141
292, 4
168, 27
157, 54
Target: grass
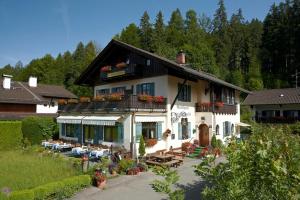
27, 169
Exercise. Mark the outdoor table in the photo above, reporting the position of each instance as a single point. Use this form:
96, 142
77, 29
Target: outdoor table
99, 153
79, 151
163, 158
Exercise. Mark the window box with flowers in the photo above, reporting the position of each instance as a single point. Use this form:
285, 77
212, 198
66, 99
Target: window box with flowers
72, 101
99, 98
145, 98
151, 142
115, 97
158, 99
106, 69
219, 104
121, 65
84, 99
62, 102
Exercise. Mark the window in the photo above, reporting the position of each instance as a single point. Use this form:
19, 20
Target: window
89, 133
110, 133
232, 128
149, 130
226, 129
185, 93
145, 88
148, 62
184, 129
118, 90
102, 92
70, 130
217, 130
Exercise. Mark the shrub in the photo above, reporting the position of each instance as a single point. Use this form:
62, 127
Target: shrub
10, 134
295, 128
125, 164
214, 141
36, 129
142, 146
266, 166
219, 143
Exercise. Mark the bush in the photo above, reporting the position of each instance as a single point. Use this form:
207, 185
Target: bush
36, 129
56, 190
266, 166
214, 141
125, 164
10, 134
219, 143
142, 146
295, 128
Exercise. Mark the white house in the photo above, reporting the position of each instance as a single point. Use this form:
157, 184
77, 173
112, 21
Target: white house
139, 93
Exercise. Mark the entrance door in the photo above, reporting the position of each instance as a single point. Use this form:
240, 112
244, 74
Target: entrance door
203, 135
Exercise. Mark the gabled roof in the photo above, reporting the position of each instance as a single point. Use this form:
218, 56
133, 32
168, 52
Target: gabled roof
274, 96
20, 92
171, 64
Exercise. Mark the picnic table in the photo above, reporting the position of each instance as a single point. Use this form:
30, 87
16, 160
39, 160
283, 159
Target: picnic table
163, 158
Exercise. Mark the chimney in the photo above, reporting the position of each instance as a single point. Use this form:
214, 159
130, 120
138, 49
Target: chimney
7, 81
32, 82
180, 58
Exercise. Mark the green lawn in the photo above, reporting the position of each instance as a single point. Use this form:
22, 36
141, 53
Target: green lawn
23, 170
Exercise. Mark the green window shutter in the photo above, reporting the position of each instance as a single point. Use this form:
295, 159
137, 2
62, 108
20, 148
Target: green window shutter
138, 131
78, 133
101, 133
63, 129
179, 131
159, 130
96, 135
138, 89
152, 89
189, 129
120, 133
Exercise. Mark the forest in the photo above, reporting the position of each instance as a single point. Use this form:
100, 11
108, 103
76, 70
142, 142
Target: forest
252, 54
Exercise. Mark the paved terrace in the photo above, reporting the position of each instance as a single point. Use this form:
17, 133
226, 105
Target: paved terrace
138, 187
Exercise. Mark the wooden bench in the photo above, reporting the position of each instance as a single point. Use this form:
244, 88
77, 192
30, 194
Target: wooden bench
161, 152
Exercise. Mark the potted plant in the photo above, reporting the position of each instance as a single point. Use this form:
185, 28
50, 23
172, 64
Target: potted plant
113, 168
151, 142
133, 171
84, 99
142, 166
99, 178
145, 97
158, 99
62, 102
106, 69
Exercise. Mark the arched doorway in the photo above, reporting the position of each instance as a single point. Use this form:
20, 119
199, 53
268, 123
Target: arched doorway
203, 135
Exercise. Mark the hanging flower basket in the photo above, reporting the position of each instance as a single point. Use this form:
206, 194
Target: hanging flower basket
121, 65
84, 99
158, 99
72, 101
145, 97
106, 69
219, 104
99, 98
151, 142
62, 102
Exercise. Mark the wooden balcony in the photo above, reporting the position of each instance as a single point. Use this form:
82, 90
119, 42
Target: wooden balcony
275, 120
130, 70
208, 107
127, 103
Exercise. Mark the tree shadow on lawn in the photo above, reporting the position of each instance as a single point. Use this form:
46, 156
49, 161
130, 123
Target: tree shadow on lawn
193, 190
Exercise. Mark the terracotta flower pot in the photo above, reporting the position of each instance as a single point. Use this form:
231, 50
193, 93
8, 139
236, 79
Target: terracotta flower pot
101, 184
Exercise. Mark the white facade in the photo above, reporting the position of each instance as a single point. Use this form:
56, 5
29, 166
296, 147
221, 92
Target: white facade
46, 108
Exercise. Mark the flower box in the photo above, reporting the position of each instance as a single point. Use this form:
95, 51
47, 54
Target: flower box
72, 101
121, 65
115, 97
158, 99
219, 104
84, 99
99, 98
151, 142
145, 97
106, 69
62, 102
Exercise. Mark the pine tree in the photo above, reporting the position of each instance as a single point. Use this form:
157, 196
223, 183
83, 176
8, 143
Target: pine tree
175, 30
142, 150
159, 35
146, 32
131, 35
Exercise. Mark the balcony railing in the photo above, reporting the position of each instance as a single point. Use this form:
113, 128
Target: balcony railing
127, 103
280, 119
221, 109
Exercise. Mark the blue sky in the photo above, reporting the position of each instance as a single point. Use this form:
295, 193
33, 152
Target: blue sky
31, 28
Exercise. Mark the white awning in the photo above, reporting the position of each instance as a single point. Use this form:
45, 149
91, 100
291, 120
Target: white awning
100, 120
69, 119
242, 124
149, 119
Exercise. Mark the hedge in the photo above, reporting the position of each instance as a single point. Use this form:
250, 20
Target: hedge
56, 190
10, 134
36, 129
